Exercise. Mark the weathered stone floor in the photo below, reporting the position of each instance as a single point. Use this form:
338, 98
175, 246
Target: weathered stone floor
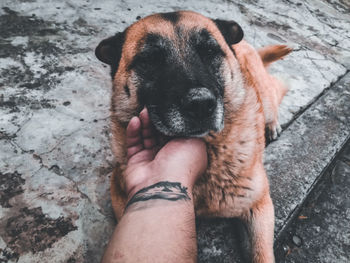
55, 159
320, 232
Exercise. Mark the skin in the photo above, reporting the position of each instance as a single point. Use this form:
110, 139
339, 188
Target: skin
157, 230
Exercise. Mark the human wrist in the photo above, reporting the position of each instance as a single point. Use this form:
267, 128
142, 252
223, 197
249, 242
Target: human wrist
183, 182
137, 179
159, 190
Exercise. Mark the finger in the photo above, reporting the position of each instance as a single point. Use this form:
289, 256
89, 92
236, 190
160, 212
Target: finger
147, 126
134, 149
149, 143
148, 131
133, 132
132, 141
133, 137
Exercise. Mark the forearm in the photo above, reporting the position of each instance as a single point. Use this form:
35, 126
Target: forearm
158, 226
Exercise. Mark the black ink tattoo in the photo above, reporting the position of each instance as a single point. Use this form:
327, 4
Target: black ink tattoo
165, 190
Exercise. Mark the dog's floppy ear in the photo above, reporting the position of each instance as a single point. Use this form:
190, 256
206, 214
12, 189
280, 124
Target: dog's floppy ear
109, 50
231, 31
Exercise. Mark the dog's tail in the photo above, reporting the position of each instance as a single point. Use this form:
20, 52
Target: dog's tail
270, 54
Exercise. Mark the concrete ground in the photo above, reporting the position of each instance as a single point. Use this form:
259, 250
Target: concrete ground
55, 158
320, 233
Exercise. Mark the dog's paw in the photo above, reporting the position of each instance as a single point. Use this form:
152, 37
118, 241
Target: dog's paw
272, 131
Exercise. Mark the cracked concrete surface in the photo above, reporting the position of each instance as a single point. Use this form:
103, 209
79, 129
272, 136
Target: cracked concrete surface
55, 158
320, 232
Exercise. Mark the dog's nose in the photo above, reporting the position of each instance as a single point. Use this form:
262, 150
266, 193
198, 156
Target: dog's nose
199, 103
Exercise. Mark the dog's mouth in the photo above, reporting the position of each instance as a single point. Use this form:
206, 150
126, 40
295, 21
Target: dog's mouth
176, 122
198, 133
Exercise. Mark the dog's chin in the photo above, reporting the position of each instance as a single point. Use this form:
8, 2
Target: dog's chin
176, 132
189, 133
194, 134
177, 128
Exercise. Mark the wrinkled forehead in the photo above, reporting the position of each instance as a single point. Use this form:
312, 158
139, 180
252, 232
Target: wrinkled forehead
176, 27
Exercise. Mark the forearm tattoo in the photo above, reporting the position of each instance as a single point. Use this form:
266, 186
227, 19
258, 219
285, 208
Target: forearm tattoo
170, 191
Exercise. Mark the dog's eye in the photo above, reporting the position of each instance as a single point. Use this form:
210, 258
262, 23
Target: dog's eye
150, 57
209, 51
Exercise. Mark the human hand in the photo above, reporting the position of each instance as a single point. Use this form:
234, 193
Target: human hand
179, 160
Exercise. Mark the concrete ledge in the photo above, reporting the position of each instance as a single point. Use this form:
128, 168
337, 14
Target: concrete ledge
320, 230
304, 150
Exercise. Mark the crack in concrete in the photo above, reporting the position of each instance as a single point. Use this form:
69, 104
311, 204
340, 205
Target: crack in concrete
316, 66
19, 128
64, 137
59, 172
76, 186
306, 48
303, 109
327, 20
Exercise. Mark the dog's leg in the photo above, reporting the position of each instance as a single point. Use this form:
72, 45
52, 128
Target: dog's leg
272, 131
277, 91
118, 196
260, 223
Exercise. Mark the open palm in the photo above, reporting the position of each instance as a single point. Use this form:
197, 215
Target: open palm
151, 159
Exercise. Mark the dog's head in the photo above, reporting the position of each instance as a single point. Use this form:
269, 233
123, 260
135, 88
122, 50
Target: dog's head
180, 66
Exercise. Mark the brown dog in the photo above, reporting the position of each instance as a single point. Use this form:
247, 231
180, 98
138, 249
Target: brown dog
197, 78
